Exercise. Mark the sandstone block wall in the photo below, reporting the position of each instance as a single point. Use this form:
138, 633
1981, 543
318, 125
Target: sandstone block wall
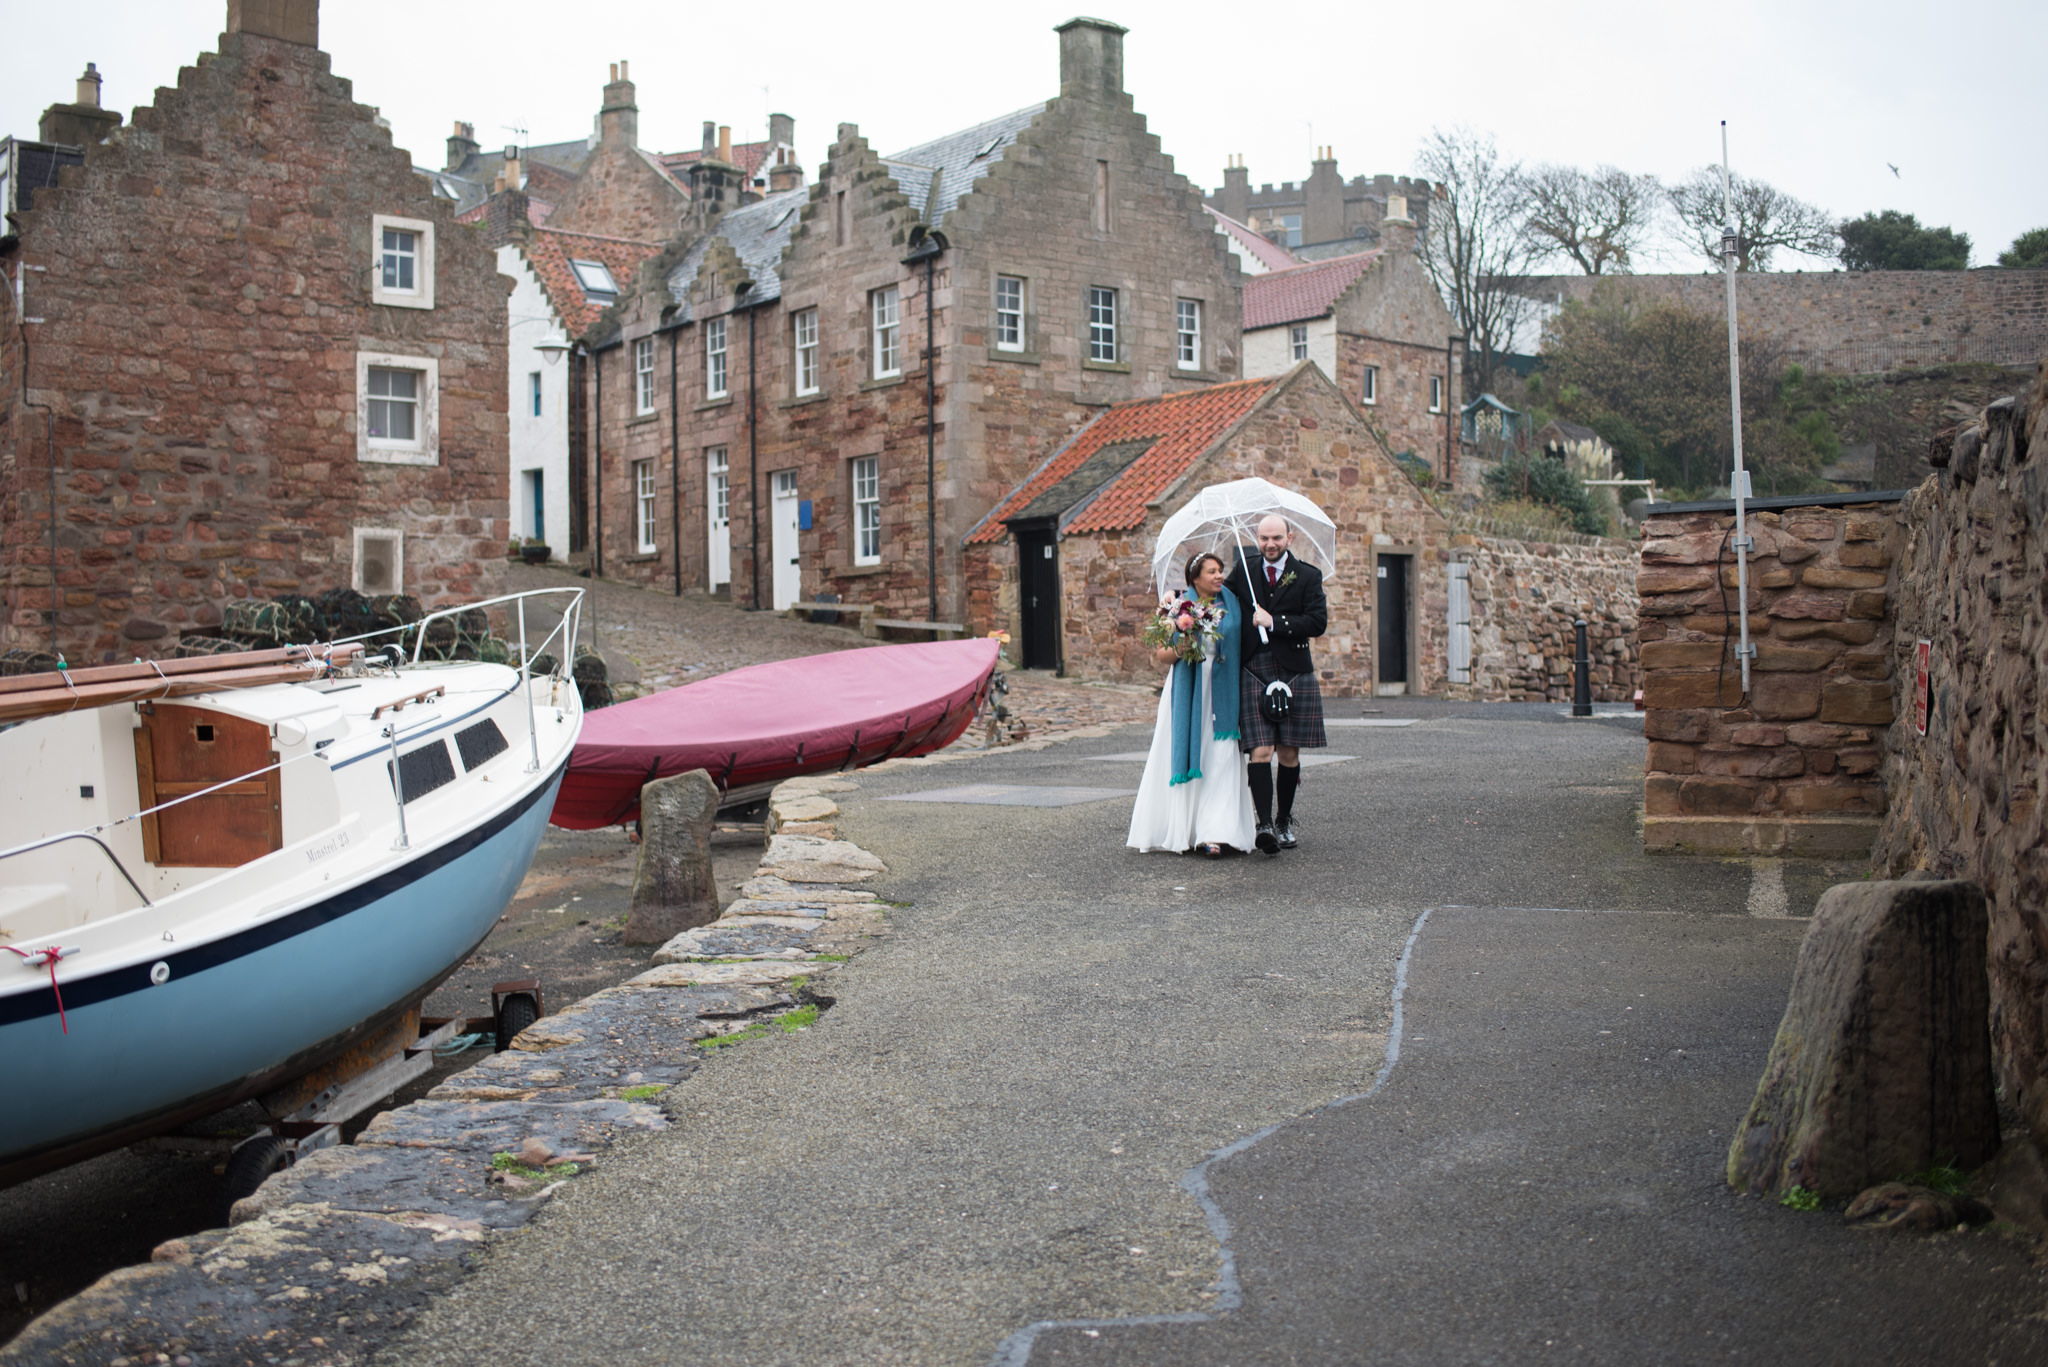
1967, 798
1791, 768
1525, 597
204, 281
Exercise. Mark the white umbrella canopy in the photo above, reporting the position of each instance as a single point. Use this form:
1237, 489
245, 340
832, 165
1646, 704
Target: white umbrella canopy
1225, 518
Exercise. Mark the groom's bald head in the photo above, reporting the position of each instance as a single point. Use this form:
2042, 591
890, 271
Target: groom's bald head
1274, 536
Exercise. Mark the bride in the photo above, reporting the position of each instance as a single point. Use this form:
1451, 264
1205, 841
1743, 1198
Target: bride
1194, 791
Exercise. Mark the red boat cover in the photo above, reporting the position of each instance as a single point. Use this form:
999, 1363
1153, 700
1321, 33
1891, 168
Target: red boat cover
766, 723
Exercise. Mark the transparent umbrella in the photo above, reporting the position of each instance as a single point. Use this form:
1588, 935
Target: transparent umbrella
1225, 518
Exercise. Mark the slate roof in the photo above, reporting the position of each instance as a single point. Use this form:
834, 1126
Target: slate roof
934, 175
470, 183
550, 251
1167, 435
1289, 296
1261, 248
757, 233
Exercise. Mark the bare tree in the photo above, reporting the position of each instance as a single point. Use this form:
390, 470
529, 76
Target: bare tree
1766, 219
1598, 219
1473, 244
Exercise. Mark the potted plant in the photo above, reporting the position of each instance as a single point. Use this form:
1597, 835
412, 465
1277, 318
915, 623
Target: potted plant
535, 553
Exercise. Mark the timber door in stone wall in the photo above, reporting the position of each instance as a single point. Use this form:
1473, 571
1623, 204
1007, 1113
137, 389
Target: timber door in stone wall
1038, 596
1390, 665
718, 519
789, 584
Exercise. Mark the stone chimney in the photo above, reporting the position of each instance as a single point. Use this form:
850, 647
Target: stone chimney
1322, 217
1397, 230
710, 147
83, 123
618, 121
462, 145
1236, 194
781, 130
510, 174
786, 173
288, 21
1091, 58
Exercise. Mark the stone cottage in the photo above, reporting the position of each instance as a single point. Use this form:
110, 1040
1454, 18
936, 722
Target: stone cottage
1375, 324
866, 367
258, 357
1064, 560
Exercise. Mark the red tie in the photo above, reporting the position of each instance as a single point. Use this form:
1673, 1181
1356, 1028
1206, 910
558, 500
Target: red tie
1272, 576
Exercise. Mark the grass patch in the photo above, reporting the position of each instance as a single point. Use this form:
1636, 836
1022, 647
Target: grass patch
1946, 1178
793, 1021
831, 958
754, 1031
505, 1162
1799, 1198
642, 1093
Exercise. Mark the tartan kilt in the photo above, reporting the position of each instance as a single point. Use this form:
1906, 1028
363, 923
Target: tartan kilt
1304, 725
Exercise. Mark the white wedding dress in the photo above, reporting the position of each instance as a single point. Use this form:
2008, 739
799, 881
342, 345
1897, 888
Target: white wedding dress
1215, 808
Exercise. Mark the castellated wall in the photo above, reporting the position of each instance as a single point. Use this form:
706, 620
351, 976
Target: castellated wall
1967, 798
1861, 322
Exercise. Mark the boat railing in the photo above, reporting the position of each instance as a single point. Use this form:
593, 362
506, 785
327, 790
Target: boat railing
568, 627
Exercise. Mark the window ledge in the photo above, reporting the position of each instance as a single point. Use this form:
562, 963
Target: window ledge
639, 557
856, 572
801, 399
713, 403
1014, 357
883, 383
1118, 367
641, 419
1199, 376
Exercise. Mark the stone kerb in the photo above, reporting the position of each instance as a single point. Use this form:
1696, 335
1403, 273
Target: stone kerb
1793, 767
1525, 597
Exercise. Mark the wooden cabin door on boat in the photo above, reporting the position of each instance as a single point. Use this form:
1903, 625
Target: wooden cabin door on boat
181, 750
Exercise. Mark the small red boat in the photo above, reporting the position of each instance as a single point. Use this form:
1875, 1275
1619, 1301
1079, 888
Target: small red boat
757, 726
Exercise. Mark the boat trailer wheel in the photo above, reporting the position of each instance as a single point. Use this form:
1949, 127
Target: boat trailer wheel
251, 1162
516, 1005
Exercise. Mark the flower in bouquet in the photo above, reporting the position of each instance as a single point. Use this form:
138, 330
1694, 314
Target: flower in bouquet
1182, 625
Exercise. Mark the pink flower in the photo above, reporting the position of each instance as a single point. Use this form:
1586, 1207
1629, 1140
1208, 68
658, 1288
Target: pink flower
1185, 623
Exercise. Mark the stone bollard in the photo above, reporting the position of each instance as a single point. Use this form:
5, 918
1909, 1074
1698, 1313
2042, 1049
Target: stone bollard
1882, 1064
673, 889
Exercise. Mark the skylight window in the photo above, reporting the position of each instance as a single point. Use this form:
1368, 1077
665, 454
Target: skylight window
595, 279
991, 145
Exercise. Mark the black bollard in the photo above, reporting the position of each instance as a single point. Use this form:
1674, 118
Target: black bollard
1582, 674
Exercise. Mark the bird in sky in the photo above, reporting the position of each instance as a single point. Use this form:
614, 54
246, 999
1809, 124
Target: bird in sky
1895, 171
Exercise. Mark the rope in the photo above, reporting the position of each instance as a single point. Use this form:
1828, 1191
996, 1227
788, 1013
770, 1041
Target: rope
48, 955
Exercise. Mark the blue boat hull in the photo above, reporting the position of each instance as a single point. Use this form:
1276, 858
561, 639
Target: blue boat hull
249, 1010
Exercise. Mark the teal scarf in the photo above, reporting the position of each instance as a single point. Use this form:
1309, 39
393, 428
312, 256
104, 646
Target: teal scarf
1187, 685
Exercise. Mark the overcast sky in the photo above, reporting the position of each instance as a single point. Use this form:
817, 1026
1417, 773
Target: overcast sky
1821, 98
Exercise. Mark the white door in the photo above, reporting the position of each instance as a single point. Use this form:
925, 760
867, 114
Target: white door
788, 574
717, 482
1461, 622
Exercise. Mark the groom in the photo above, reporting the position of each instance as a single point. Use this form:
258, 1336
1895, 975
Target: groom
1287, 600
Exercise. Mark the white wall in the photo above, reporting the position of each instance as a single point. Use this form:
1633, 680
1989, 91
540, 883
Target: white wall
1270, 351
537, 443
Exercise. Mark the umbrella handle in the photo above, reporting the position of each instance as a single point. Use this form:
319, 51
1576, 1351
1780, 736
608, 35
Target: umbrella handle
1264, 639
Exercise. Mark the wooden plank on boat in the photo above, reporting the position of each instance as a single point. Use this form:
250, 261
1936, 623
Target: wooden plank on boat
52, 699
151, 671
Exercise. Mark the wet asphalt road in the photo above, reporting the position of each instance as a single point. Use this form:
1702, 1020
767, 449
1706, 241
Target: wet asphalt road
992, 1126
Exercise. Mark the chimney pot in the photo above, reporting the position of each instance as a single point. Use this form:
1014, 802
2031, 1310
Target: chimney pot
615, 73
725, 143
89, 87
622, 69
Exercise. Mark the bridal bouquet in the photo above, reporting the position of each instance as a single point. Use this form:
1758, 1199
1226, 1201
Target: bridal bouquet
1184, 626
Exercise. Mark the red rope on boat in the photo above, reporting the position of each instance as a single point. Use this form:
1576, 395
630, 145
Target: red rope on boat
49, 956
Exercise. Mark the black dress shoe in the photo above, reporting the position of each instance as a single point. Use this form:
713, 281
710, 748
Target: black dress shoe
1287, 836
1267, 840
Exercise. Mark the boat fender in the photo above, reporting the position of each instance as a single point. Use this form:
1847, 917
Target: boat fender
159, 973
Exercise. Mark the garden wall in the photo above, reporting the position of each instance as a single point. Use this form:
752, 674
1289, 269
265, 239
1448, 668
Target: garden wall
1525, 595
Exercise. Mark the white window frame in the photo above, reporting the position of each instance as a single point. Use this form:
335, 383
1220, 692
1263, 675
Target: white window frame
644, 505
1009, 313
1102, 320
714, 359
865, 477
1290, 230
355, 564
885, 329
643, 376
1369, 385
421, 295
425, 448
803, 327
1187, 322
1436, 393
1297, 342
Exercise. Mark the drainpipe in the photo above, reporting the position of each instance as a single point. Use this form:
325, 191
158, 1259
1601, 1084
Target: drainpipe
753, 452
1450, 407
597, 463
927, 246
22, 320
675, 468
1738, 481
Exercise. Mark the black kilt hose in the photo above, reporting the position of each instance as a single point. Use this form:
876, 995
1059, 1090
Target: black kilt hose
1304, 725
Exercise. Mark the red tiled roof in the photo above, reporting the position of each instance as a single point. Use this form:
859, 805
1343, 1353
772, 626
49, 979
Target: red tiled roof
536, 212
550, 251
748, 156
1270, 254
1184, 427
1303, 292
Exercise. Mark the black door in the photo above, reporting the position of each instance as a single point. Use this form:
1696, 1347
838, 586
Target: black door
1393, 613
1038, 589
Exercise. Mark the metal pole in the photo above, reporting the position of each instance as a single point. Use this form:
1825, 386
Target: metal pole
1738, 483
931, 510
1582, 674
398, 785
526, 684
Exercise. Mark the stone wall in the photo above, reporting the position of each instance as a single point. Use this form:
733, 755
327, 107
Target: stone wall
1861, 322
1792, 768
1525, 597
1967, 798
204, 283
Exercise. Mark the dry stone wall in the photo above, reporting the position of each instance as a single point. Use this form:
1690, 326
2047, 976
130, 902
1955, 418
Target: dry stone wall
1792, 767
1966, 799
1525, 597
